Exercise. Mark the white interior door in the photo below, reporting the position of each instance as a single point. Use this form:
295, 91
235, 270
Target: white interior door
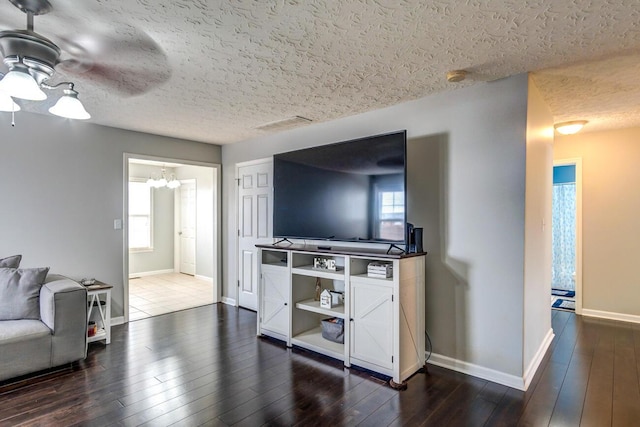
188, 228
255, 211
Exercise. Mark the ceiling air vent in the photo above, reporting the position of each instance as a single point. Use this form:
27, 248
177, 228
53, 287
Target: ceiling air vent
288, 123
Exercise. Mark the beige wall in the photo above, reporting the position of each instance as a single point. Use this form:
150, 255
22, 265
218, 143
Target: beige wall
611, 217
537, 267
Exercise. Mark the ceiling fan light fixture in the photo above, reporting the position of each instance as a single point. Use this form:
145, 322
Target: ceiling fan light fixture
571, 127
70, 107
7, 104
18, 83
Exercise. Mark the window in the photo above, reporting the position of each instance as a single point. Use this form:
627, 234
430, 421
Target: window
140, 218
391, 215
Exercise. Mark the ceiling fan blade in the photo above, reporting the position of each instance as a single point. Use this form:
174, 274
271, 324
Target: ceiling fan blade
98, 45
126, 59
124, 79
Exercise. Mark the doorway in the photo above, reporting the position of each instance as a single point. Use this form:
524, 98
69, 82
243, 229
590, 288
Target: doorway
566, 284
171, 244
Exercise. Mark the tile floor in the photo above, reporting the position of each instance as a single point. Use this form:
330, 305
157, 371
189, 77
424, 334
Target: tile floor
164, 293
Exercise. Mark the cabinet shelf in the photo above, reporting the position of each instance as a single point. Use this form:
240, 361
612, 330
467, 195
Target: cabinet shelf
314, 306
364, 278
99, 335
312, 340
275, 265
307, 270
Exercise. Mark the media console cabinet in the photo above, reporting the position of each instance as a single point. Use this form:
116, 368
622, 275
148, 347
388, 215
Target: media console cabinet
384, 321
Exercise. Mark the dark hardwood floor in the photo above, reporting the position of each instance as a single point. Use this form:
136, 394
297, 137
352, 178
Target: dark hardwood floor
205, 366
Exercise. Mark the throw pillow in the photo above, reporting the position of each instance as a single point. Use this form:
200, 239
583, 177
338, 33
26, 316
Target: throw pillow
20, 292
11, 261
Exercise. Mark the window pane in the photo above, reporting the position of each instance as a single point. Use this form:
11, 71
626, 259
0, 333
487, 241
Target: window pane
139, 232
139, 198
139, 215
391, 215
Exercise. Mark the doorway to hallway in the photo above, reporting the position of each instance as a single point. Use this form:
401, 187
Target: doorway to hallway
566, 265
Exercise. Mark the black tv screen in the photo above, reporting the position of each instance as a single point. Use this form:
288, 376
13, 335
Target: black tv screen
347, 191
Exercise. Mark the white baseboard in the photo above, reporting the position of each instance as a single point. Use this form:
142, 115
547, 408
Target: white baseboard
229, 301
611, 315
117, 320
205, 278
477, 371
150, 273
537, 359
488, 374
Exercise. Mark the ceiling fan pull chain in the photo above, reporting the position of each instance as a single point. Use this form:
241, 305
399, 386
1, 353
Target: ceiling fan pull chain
29, 21
13, 117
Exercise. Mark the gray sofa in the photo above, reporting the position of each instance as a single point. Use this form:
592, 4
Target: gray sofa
56, 338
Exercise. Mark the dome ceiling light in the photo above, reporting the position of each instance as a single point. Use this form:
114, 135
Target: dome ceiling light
571, 127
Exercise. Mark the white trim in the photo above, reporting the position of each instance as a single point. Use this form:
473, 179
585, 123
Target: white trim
229, 301
477, 371
537, 359
577, 161
252, 163
621, 317
117, 320
150, 273
205, 278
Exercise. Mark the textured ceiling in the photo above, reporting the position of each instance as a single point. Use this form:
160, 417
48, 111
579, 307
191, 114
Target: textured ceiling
213, 71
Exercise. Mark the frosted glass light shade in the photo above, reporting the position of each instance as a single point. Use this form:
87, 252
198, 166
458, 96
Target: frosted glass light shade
174, 183
69, 106
7, 104
569, 128
20, 84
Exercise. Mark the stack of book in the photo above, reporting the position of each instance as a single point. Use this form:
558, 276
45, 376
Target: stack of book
380, 270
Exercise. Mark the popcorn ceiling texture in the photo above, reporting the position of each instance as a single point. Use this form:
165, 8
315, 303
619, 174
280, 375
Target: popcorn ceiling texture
213, 71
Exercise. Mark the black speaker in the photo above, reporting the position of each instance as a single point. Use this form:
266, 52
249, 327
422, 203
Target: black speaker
417, 239
409, 239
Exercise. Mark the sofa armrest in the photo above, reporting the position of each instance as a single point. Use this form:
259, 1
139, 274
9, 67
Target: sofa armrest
63, 308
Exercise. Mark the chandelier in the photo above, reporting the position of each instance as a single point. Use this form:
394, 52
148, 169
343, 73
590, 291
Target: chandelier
31, 60
172, 182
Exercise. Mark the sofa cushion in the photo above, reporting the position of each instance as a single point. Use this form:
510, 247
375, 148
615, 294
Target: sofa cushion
25, 347
20, 292
13, 331
10, 261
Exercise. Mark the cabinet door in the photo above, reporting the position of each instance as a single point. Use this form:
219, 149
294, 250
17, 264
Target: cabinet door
372, 324
274, 309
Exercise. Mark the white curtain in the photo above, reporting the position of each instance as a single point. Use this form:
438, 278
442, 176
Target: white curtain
564, 236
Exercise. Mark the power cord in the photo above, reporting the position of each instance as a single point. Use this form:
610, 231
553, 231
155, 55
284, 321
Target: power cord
426, 369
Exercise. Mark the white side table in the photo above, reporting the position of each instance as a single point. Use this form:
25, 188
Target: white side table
94, 293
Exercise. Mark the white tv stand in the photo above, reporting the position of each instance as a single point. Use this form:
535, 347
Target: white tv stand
384, 324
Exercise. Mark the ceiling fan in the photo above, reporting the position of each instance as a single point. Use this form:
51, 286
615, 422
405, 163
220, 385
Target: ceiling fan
102, 57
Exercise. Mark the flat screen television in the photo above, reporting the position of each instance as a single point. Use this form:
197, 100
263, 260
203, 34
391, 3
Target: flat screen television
347, 191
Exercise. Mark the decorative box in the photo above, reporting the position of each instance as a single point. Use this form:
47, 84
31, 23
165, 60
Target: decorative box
380, 270
337, 298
